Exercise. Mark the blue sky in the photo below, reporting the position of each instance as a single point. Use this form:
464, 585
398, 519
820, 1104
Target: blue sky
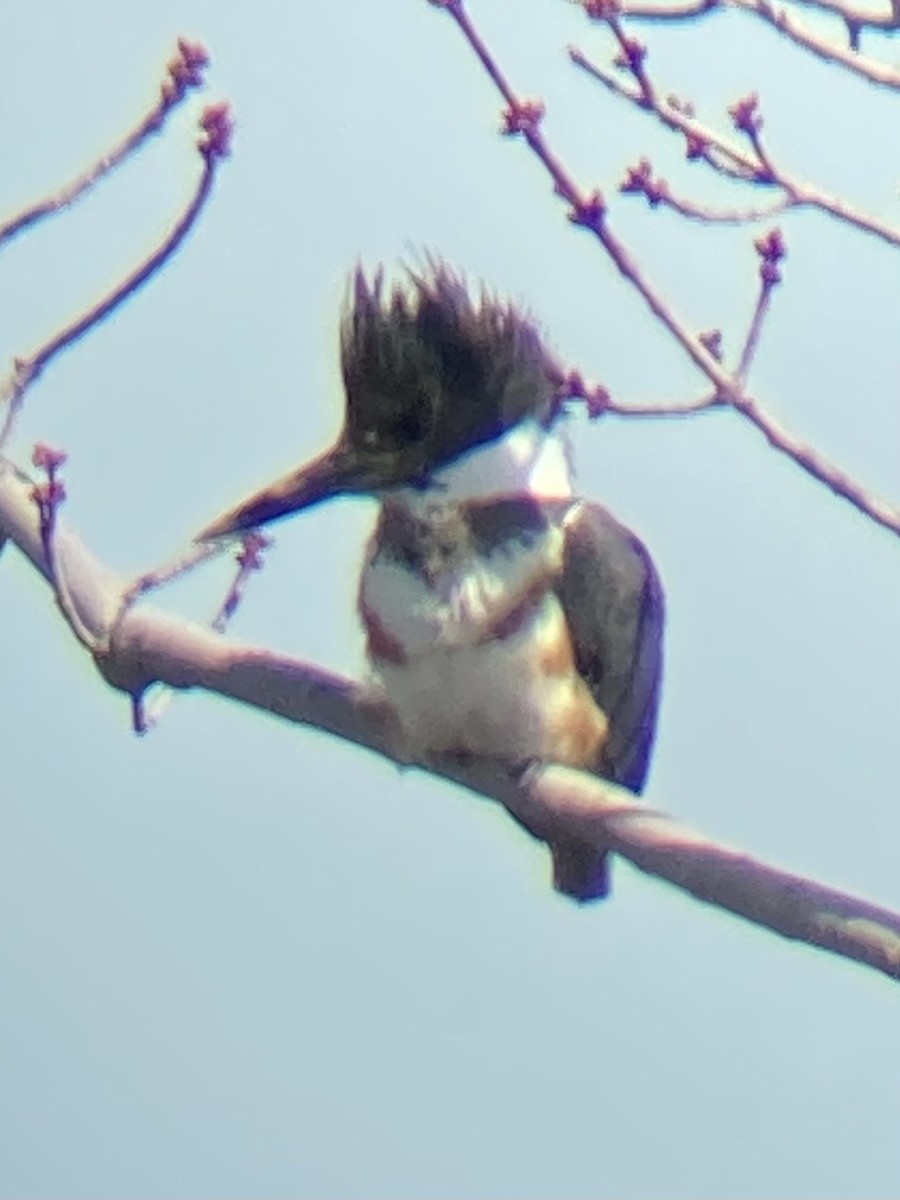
239, 958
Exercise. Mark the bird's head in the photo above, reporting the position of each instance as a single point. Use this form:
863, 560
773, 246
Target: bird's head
430, 373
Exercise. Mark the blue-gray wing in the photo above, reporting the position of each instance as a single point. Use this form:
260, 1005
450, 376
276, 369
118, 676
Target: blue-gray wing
613, 601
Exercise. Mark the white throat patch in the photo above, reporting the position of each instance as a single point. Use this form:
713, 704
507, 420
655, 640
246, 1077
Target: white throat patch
528, 459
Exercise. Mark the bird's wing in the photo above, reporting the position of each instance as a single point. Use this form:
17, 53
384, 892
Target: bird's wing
613, 601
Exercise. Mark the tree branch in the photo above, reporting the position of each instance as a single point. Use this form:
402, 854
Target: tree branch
728, 160
213, 145
784, 23
588, 211
857, 64
653, 10
184, 72
149, 646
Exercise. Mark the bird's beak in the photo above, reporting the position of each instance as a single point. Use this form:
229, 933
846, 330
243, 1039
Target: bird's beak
336, 472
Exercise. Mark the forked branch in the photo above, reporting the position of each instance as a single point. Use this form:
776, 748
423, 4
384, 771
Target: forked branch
588, 210
213, 145
727, 158
184, 72
780, 18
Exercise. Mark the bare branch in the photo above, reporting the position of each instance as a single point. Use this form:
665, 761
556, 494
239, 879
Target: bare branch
589, 211
640, 180
771, 250
551, 802
213, 145
48, 496
727, 159
781, 20
684, 10
599, 402
752, 341
249, 560
702, 142
632, 54
184, 72
147, 710
651, 10
559, 799
719, 216
667, 408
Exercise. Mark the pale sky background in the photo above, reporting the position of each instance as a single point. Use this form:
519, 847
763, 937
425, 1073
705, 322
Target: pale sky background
240, 959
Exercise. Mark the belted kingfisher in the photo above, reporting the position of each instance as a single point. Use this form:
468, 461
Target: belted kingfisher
505, 617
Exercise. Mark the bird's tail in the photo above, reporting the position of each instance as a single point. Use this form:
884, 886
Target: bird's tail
580, 870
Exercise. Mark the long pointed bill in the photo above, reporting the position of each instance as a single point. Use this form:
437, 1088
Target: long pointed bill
331, 474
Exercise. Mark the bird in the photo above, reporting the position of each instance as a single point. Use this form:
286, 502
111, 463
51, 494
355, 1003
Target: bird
506, 617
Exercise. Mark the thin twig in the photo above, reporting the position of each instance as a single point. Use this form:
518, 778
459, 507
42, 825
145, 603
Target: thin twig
213, 147
184, 72
149, 705
249, 560
589, 212
632, 54
771, 250
781, 20
722, 216
703, 142
727, 159
651, 10
684, 10
753, 335
819, 46
640, 180
666, 408
806, 194
158, 577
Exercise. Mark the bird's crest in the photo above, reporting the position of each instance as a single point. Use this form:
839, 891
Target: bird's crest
431, 370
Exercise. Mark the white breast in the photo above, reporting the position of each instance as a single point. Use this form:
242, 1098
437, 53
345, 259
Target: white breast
497, 699
459, 690
456, 609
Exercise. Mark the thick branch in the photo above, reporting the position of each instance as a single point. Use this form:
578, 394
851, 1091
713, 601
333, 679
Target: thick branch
550, 801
